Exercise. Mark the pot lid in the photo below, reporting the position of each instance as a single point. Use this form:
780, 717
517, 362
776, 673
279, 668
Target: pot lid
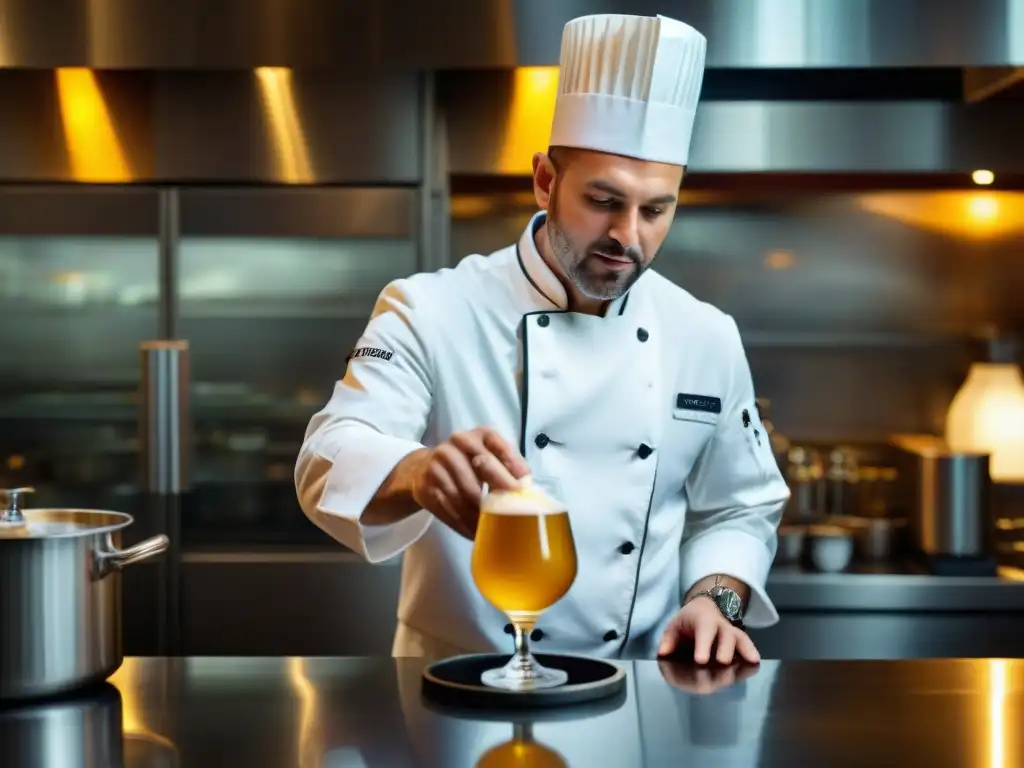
19, 523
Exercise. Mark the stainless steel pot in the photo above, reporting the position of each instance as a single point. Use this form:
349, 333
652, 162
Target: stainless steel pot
80, 731
60, 596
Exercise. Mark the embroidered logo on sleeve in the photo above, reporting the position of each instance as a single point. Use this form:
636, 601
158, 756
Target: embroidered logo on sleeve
698, 403
373, 353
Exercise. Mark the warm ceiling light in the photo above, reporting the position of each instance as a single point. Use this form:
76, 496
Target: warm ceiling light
969, 214
779, 259
983, 178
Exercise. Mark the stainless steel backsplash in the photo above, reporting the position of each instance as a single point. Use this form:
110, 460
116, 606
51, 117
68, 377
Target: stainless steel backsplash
857, 322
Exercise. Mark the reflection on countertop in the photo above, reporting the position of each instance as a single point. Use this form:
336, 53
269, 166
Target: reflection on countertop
362, 712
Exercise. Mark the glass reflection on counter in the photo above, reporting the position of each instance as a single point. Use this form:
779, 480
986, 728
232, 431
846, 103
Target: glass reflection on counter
667, 710
522, 751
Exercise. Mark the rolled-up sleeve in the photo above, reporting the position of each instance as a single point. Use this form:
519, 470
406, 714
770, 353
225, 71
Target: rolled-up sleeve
376, 417
736, 495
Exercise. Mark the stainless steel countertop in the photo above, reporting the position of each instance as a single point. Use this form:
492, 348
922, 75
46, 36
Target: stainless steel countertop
795, 590
365, 713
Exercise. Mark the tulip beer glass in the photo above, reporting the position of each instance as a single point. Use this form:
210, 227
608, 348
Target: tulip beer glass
524, 561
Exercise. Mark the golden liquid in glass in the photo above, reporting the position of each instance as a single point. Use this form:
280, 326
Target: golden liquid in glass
524, 563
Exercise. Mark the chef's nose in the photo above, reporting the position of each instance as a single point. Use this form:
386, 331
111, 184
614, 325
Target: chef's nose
624, 229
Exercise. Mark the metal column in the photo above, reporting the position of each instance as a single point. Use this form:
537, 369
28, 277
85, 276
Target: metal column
165, 441
165, 431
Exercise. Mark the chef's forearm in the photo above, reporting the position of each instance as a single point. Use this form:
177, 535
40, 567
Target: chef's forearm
708, 582
394, 501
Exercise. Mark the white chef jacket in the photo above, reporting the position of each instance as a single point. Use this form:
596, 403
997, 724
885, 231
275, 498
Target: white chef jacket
645, 416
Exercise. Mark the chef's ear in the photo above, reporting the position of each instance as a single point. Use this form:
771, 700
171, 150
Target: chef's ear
544, 172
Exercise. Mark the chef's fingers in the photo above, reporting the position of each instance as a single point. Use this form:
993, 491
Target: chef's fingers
490, 470
487, 466
462, 512
442, 490
669, 639
449, 516
726, 646
703, 637
462, 473
506, 454
746, 648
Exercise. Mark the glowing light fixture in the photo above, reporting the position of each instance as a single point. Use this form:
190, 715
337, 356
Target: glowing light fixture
974, 215
987, 414
983, 178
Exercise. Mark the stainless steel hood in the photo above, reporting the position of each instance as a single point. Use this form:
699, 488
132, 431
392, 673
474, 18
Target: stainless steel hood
452, 34
809, 33
496, 121
271, 126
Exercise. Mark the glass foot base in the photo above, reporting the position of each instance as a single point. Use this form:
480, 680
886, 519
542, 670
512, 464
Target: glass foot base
523, 674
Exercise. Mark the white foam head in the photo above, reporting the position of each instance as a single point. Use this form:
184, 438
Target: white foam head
529, 499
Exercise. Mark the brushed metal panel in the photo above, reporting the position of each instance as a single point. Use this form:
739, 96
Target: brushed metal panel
447, 34
352, 606
350, 129
243, 34
82, 211
303, 212
225, 127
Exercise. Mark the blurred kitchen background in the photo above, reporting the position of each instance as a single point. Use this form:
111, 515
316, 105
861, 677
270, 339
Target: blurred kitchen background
248, 177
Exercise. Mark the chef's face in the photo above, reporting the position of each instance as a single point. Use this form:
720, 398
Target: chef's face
607, 216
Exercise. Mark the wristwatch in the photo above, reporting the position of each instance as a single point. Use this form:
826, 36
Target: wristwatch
727, 600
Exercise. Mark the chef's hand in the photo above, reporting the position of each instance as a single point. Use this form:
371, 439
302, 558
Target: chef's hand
701, 622
449, 480
703, 680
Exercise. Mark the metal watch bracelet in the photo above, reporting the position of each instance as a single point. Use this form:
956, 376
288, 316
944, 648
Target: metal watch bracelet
713, 592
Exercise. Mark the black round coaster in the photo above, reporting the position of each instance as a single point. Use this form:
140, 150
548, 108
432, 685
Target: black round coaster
455, 683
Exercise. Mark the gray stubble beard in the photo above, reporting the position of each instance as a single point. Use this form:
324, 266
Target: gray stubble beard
576, 270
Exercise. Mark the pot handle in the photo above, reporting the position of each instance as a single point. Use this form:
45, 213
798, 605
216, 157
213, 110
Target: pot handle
116, 559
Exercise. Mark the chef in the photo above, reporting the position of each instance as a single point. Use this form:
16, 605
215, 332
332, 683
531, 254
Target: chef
566, 355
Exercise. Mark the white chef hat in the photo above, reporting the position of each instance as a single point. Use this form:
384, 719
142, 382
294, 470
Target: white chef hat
629, 85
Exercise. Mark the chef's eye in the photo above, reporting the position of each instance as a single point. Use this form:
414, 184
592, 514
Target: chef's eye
602, 202
653, 213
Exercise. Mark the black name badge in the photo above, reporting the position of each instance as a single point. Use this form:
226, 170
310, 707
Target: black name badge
699, 403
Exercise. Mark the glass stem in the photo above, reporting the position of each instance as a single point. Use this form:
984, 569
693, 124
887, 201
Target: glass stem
522, 643
522, 732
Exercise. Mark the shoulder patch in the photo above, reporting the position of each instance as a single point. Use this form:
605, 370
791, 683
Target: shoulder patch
374, 353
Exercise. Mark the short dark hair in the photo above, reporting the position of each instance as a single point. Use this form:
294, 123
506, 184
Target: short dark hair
560, 157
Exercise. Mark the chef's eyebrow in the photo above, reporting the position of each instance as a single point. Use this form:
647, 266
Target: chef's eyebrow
611, 189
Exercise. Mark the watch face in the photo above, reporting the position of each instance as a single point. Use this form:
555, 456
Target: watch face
728, 602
